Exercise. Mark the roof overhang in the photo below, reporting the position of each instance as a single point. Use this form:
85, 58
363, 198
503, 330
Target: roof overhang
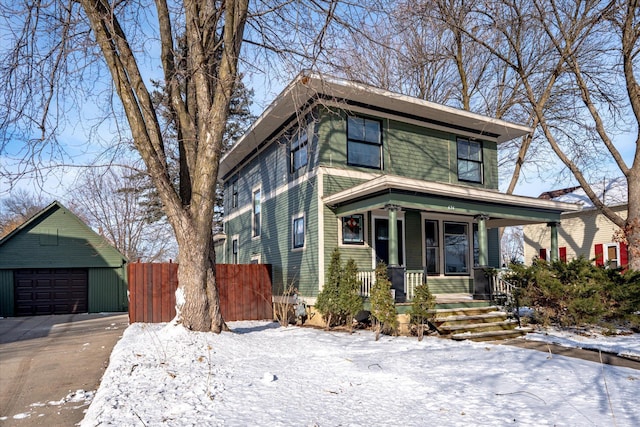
310, 88
449, 198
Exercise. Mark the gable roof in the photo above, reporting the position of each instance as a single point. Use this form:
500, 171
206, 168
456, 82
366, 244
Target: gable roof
309, 88
48, 211
612, 192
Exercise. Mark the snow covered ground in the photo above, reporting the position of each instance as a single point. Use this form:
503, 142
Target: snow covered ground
266, 375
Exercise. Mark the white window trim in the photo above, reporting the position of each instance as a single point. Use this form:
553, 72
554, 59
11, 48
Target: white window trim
234, 237
253, 224
365, 227
605, 255
255, 257
442, 218
304, 221
383, 215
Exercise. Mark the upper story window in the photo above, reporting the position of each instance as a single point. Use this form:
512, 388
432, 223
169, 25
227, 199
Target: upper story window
299, 149
257, 208
364, 142
469, 160
234, 193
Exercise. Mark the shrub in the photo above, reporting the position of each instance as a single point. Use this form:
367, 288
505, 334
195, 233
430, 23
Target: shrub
421, 308
577, 292
383, 308
328, 302
350, 302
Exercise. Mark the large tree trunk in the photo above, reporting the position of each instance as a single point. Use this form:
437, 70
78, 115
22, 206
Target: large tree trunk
198, 302
632, 229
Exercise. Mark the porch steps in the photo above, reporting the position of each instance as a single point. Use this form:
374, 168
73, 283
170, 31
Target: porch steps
476, 324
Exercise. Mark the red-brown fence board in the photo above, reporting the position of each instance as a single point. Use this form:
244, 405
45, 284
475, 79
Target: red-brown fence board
244, 289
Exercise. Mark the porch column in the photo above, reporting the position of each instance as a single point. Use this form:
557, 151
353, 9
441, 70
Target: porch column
393, 233
554, 241
483, 242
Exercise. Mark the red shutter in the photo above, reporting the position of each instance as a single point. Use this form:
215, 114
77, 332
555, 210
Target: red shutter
624, 257
563, 254
543, 254
599, 255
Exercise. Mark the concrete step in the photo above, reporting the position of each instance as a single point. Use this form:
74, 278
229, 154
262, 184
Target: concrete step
495, 316
505, 325
491, 335
464, 311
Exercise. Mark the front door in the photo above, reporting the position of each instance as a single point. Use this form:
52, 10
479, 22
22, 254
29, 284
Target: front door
381, 234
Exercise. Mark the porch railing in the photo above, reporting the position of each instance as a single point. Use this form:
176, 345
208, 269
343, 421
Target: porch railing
502, 291
412, 278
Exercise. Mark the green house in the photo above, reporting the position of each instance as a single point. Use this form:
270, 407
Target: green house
383, 177
55, 264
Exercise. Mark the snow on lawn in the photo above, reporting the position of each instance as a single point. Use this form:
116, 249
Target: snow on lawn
266, 375
622, 345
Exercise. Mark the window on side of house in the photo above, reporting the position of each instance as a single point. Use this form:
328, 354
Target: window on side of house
299, 149
234, 251
469, 160
456, 248
476, 246
353, 230
257, 209
298, 232
364, 142
432, 247
234, 193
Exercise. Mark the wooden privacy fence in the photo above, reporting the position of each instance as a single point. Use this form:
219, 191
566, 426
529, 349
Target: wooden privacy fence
245, 291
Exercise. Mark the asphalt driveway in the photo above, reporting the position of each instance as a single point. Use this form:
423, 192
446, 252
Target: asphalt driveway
50, 366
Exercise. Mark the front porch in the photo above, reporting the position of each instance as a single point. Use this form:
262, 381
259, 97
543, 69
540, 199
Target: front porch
500, 291
447, 234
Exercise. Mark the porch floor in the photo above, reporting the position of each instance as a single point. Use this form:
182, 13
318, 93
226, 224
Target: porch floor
453, 298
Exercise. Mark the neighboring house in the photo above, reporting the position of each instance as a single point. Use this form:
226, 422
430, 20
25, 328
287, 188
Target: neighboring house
586, 233
55, 264
331, 163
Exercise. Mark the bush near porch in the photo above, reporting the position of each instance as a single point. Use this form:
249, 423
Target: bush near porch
578, 293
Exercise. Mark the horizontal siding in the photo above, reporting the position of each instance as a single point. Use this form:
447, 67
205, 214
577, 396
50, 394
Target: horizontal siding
274, 246
6, 293
450, 285
578, 232
107, 290
416, 152
58, 240
408, 150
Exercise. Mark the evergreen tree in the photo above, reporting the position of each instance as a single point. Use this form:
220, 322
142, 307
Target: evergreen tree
421, 306
349, 293
383, 308
328, 302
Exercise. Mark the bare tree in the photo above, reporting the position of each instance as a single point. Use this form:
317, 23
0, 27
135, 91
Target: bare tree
111, 201
512, 245
16, 209
54, 58
586, 52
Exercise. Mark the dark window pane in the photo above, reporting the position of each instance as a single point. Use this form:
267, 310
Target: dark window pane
372, 131
364, 154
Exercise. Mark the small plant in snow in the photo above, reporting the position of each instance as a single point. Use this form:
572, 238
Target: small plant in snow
328, 302
284, 307
422, 308
350, 300
383, 309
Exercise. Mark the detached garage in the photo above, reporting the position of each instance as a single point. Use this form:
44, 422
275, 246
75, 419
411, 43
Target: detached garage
55, 264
